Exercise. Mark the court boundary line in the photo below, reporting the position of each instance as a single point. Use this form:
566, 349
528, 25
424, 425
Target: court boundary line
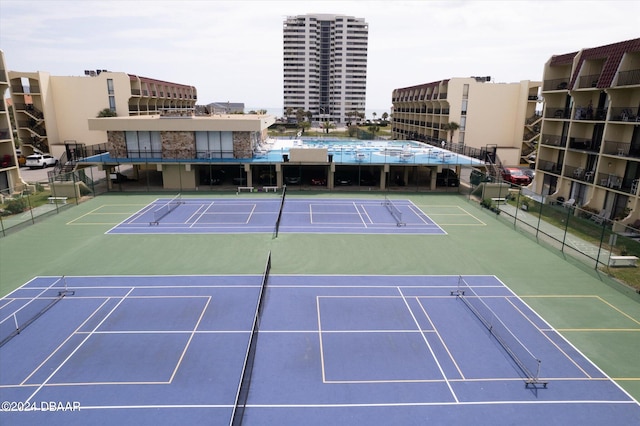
426, 341
493, 277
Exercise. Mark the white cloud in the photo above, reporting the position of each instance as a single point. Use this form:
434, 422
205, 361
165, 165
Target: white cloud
232, 50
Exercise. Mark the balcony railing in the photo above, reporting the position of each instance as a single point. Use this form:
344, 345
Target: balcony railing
5, 134
621, 149
556, 84
590, 114
625, 114
559, 113
628, 78
553, 140
549, 166
588, 81
578, 173
584, 144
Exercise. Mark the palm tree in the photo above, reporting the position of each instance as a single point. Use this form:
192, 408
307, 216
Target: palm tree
374, 116
305, 125
451, 128
385, 116
327, 125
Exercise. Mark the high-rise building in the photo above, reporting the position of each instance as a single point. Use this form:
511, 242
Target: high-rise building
325, 66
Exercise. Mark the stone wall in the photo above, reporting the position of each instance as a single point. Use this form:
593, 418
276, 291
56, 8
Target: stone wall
178, 144
116, 144
242, 145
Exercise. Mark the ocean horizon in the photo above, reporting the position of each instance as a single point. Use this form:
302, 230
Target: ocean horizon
279, 111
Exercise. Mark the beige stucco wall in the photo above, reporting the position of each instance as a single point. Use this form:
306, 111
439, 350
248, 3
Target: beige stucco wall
229, 123
77, 99
178, 177
319, 155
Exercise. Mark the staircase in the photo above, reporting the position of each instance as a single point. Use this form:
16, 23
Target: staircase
67, 171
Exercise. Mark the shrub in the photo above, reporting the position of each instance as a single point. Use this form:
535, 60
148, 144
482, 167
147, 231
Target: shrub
16, 206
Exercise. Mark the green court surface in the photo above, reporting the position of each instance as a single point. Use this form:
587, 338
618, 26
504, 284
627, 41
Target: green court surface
587, 308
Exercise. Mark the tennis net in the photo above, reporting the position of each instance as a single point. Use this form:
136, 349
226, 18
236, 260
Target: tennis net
521, 355
395, 212
247, 369
284, 193
23, 317
165, 209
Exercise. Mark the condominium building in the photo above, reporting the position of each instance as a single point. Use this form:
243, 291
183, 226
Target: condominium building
53, 110
9, 176
589, 149
502, 116
325, 66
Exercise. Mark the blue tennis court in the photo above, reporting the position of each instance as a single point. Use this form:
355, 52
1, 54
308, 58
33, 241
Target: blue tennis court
166, 350
259, 215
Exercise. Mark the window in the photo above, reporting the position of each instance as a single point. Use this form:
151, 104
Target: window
112, 103
110, 89
214, 144
143, 144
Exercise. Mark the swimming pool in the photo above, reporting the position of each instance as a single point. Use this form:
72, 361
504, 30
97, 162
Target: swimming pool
368, 152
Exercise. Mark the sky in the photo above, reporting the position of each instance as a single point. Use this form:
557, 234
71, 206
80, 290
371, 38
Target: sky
231, 51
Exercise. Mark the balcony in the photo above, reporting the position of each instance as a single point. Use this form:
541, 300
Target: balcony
549, 166
553, 140
5, 134
578, 173
625, 114
583, 144
559, 113
620, 149
628, 78
555, 84
588, 81
608, 180
590, 114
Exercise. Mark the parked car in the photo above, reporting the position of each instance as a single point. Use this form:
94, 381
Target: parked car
447, 177
342, 180
292, 180
531, 173
319, 181
477, 177
515, 176
40, 161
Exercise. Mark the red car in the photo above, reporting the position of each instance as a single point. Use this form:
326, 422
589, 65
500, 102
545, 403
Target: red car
515, 176
319, 181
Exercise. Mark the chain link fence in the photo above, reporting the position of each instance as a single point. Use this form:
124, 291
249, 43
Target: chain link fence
30, 202
583, 234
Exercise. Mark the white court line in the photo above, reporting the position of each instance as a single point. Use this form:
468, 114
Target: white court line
440, 337
76, 349
546, 336
65, 340
321, 348
33, 298
355, 405
435, 358
359, 214
364, 209
186, 347
197, 214
253, 209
